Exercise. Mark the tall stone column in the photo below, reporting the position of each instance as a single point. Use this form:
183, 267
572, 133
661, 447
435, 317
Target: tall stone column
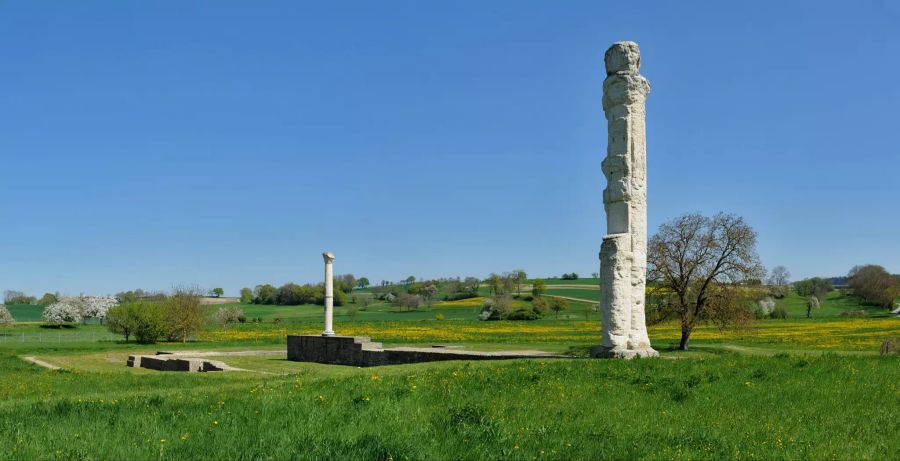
329, 294
623, 254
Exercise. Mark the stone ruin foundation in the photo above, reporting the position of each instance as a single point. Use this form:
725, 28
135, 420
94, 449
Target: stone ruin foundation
189, 361
360, 351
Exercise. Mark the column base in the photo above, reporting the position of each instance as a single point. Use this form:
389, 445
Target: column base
603, 352
327, 333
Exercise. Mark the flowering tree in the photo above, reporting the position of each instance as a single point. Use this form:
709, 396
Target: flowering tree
5, 317
226, 315
64, 310
97, 306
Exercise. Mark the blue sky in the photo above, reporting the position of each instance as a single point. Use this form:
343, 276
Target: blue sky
148, 144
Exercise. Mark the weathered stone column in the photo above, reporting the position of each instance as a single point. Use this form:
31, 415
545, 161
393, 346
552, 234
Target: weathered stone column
623, 254
329, 294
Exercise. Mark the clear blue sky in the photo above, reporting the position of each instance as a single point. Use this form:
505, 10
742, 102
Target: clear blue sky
147, 144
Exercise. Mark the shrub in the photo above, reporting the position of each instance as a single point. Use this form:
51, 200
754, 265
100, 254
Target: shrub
539, 305
66, 310
143, 319
890, 346
496, 308
487, 309
523, 314
227, 315
764, 308
439, 316
558, 305
779, 313
502, 306
409, 301
5, 317
460, 295
812, 303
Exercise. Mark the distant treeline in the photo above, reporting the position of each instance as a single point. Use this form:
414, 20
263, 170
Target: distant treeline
292, 294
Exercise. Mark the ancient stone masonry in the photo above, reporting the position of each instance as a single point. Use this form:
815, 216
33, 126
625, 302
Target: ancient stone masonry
623, 254
360, 351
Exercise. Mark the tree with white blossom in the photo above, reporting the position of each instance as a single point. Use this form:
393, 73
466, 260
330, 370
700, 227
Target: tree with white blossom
96, 307
66, 310
5, 317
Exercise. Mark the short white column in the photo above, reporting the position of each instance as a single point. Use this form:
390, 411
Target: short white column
329, 294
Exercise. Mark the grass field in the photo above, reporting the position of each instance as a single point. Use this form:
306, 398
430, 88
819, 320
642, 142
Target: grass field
787, 389
25, 312
659, 409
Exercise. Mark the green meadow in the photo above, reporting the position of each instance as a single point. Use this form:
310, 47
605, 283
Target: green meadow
789, 389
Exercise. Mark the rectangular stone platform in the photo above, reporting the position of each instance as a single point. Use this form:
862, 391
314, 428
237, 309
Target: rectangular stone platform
175, 363
360, 351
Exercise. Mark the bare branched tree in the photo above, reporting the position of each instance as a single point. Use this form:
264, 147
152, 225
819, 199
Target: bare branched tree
779, 281
705, 261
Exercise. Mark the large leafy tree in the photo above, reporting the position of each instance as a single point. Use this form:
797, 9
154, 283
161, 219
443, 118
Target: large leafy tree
705, 262
874, 284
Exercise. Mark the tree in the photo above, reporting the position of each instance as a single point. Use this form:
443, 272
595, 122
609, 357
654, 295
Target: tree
17, 297
519, 276
538, 287
539, 305
345, 282
410, 279
428, 292
362, 283
558, 305
779, 281
494, 283
97, 307
703, 261
471, 284
265, 294
873, 284
6, 318
144, 319
66, 310
48, 299
409, 301
246, 296
122, 319
812, 303
217, 292
815, 286
497, 308
185, 315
